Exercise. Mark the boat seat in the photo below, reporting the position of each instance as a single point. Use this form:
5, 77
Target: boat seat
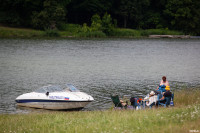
67, 90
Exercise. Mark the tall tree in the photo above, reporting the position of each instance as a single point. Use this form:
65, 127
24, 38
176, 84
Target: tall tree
107, 25
184, 15
132, 12
125, 10
18, 12
154, 17
50, 16
80, 11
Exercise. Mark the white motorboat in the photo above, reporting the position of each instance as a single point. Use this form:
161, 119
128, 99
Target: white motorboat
55, 98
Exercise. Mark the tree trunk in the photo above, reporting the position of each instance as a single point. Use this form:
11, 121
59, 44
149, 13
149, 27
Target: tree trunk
125, 21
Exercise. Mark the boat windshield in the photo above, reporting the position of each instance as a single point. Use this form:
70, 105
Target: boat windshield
71, 88
56, 88
50, 88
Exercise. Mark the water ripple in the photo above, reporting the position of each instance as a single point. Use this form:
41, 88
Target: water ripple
98, 67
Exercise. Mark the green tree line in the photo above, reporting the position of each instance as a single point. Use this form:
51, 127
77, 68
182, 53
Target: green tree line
181, 15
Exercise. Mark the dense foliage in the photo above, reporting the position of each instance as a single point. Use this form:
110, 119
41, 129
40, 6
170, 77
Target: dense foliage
103, 15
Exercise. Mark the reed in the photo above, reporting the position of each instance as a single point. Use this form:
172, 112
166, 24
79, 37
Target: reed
183, 118
187, 97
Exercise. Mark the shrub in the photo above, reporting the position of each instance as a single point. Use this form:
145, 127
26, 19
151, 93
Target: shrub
125, 32
92, 34
62, 26
107, 26
74, 28
51, 33
51, 16
144, 33
85, 28
96, 23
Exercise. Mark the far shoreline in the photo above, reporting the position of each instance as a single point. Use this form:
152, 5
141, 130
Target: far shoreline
26, 33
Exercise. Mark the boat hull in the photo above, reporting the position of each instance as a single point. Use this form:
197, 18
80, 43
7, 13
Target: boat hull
54, 105
55, 98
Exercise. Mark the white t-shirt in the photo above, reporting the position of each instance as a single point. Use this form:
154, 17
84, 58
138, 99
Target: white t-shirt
152, 99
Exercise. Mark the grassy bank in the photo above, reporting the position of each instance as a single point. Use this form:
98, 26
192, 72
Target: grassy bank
8, 32
182, 118
77, 31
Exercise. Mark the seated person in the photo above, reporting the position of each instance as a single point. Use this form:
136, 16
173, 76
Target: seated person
118, 102
123, 103
152, 99
163, 82
166, 94
136, 102
162, 85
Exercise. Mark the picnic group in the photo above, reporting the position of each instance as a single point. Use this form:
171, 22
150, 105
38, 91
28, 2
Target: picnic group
161, 96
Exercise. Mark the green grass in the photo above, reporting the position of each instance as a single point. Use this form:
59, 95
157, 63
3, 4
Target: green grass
187, 97
70, 30
74, 30
92, 34
119, 32
52, 33
8, 32
183, 117
159, 32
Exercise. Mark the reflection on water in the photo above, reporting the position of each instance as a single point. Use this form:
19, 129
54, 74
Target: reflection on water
97, 67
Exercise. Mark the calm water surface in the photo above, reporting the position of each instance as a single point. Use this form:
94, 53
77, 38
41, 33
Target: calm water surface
97, 67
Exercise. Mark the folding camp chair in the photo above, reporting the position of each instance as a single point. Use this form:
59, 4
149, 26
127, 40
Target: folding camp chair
117, 102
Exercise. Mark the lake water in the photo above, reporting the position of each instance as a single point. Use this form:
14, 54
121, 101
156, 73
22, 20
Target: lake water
98, 67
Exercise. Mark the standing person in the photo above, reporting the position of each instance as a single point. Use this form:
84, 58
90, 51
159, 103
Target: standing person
163, 84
